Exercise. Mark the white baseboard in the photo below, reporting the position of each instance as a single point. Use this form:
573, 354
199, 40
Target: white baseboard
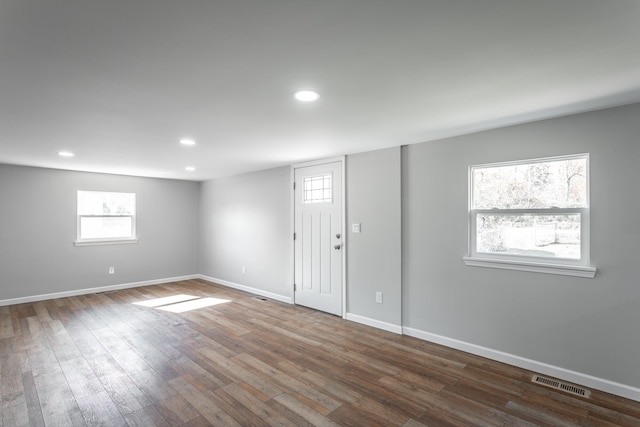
249, 289
43, 297
390, 327
531, 365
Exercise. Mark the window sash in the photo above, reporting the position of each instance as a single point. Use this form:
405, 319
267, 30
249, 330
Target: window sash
584, 156
95, 203
584, 235
131, 235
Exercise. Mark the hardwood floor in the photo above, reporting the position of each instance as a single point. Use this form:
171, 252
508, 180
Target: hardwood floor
102, 360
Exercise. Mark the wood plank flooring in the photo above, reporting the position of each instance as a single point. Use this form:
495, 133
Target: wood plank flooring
103, 360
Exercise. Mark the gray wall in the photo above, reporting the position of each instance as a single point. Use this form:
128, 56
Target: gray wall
246, 221
374, 255
38, 228
586, 325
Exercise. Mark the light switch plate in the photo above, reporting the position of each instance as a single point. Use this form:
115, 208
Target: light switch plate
355, 228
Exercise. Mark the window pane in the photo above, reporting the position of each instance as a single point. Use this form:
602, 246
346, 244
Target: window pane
106, 203
105, 228
317, 189
549, 236
538, 185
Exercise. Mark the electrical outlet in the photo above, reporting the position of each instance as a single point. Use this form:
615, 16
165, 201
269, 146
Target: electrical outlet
379, 297
112, 270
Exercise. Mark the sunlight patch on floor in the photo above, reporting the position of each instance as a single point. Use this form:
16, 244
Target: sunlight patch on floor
157, 302
181, 303
193, 304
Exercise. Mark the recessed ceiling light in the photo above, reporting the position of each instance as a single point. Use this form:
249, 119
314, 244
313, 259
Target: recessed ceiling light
306, 95
187, 142
65, 154
190, 169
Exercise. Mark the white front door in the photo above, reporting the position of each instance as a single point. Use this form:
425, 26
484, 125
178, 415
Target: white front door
318, 237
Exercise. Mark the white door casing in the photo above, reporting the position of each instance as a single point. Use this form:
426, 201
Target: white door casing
318, 237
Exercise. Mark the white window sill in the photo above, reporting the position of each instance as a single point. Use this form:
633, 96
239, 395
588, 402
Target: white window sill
104, 242
535, 267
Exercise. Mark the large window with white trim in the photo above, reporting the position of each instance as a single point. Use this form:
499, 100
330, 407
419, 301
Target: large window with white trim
531, 215
106, 217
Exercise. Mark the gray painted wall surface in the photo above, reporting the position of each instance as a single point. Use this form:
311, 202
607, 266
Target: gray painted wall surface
374, 255
586, 325
38, 228
246, 221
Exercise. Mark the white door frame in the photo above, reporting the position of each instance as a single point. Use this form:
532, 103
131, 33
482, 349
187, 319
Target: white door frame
342, 160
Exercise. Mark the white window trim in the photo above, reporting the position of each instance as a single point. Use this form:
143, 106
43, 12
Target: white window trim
530, 266
559, 266
95, 242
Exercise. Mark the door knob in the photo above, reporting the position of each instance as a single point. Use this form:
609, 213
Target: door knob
337, 247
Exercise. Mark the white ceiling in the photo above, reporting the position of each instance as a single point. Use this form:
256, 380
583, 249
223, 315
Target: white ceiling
119, 82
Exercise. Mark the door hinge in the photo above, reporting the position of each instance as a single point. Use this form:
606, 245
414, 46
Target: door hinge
294, 236
294, 287
294, 185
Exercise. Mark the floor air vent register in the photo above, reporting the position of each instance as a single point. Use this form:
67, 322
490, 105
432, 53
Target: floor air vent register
559, 385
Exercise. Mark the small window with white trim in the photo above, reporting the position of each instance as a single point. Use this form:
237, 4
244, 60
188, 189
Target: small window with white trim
531, 215
106, 217
317, 189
